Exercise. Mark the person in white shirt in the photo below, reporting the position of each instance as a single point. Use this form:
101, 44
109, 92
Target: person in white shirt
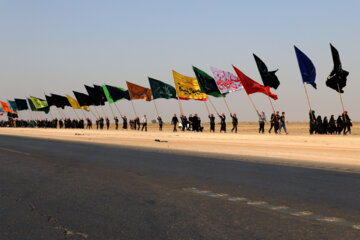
144, 123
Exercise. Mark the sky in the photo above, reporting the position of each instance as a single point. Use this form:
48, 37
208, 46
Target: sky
58, 46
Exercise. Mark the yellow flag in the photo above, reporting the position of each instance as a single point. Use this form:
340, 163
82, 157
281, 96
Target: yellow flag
188, 88
75, 104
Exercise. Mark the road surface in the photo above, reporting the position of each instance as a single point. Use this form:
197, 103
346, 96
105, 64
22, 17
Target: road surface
65, 190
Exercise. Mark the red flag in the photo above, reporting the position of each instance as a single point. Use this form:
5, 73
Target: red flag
253, 87
6, 107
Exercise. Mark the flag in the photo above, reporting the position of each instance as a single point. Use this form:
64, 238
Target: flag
188, 87
307, 68
12, 115
21, 104
268, 78
114, 94
38, 102
33, 108
100, 94
160, 89
13, 105
138, 92
251, 86
5, 107
60, 101
83, 99
75, 104
226, 81
50, 100
337, 78
95, 95
1, 110
207, 83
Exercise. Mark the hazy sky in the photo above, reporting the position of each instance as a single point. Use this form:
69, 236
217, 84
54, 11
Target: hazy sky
58, 46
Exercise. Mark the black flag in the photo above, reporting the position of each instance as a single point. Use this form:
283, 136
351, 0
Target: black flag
100, 92
60, 101
337, 78
95, 95
268, 78
50, 100
117, 93
83, 99
21, 104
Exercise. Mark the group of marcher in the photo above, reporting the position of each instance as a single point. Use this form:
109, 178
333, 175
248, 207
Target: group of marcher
193, 123
318, 125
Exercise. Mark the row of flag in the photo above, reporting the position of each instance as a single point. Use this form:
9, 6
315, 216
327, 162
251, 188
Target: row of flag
198, 88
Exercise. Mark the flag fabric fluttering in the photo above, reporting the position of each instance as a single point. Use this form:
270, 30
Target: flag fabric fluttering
138, 92
1, 110
95, 95
188, 88
160, 89
60, 101
83, 99
39, 103
21, 104
337, 78
5, 107
226, 81
99, 91
75, 104
252, 86
307, 68
13, 105
114, 94
207, 83
50, 100
268, 78
34, 109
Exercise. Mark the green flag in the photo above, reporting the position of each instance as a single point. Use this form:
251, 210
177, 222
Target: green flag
39, 103
207, 83
114, 94
13, 106
160, 89
33, 108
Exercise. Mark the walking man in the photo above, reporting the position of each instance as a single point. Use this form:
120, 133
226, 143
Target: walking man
222, 123
262, 120
174, 121
212, 123
234, 122
144, 123
282, 123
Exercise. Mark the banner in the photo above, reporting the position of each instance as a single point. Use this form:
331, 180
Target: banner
83, 99
21, 104
188, 87
269, 78
5, 107
33, 108
307, 68
337, 78
114, 94
60, 101
138, 92
226, 81
160, 89
38, 102
13, 105
207, 83
75, 104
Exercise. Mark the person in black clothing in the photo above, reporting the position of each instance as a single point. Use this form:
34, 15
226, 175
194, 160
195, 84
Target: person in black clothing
222, 123
116, 123
196, 123
101, 123
339, 125
184, 122
277, 124
124, 122
282, 123
272, 122
137, 123
325, 125
97, 123
212, 123
174, 121
312, 121
332, 125
160, 122
318, 127
347, 123
107, 123
234, 122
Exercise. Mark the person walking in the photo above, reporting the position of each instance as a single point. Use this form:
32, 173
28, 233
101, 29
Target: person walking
124, 122
160, 123
234, 122
262, 120
212, 123
107, 123
144, 123
282, 123
116, 123
174, 121
222, 123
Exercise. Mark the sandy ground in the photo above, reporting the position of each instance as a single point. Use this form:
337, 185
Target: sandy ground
297, 145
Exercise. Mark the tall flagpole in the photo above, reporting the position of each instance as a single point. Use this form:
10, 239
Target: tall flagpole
272, 106
112, 110
213, 106
157, 111
207, 108
227, 106
308, 100
342, 104
180, 106
118, 109
133, 107
252, 103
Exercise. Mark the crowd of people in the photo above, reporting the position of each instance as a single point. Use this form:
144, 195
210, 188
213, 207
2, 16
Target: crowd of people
342, 125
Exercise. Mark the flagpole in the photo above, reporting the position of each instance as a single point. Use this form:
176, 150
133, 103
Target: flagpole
207, 108
133, 107
308, 100
342, 104
157, 111
252, 103
118, 109
102, 108
180, 107
272, 106
96, 112
227, 106
213, 106
83, 112
76, 114
112, 110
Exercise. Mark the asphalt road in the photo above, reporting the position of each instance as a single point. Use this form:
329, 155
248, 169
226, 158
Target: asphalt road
63, 190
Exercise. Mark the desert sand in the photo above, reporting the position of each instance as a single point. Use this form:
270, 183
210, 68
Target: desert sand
296, 148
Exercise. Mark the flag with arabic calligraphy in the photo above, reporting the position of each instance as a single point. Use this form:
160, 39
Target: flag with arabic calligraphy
138, 92
188, 88
226, 81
